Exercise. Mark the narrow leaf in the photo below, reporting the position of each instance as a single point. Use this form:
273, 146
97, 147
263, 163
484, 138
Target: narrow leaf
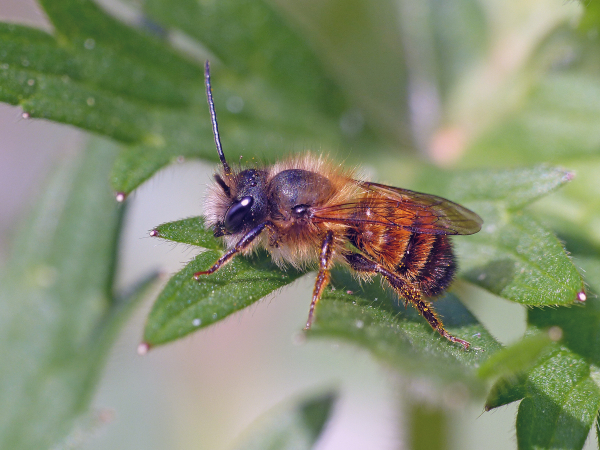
98, 66
512, 256
55, 301
186, 305
188, 231
520, 260
83, 20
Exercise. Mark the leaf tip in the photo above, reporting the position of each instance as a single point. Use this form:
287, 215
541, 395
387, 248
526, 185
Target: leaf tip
120, 197
143, 348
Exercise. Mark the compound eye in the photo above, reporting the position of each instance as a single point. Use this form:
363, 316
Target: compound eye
234, 219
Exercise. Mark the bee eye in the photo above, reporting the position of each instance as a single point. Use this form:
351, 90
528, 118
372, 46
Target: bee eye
236, 214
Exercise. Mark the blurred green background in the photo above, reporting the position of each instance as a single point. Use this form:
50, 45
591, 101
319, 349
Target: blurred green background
457, 84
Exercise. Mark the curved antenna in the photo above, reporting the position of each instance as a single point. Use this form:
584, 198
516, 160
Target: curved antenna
213, 118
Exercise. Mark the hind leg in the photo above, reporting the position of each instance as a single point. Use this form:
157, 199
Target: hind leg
406, 291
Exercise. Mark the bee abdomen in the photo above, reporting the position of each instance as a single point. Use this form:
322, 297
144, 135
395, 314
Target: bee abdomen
429, 262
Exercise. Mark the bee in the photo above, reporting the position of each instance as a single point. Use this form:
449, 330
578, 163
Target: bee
305, 209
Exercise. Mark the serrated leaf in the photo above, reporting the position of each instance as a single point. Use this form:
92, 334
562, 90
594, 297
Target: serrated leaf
513, 255
520, 260
186, 305
188, 231
93, 64
58, 315
295, 426
81, 20
561, 394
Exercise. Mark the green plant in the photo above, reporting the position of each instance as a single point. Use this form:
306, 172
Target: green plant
130, 85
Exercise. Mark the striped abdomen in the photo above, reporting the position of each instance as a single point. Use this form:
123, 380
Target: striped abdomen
426, 261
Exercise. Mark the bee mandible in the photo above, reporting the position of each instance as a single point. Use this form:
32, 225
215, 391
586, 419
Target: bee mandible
305, 209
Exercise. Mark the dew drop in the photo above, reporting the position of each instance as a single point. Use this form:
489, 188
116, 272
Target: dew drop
91, 101
25, 115
214, 316
196, 322
181, 159
143, 348
30, 82
235, 104
349, 292
359, 324
89, 44
581, 296
120, 197
481, 276
154, 233
555, 333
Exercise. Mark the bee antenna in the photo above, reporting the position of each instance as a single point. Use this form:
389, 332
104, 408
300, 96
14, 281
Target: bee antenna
213, 118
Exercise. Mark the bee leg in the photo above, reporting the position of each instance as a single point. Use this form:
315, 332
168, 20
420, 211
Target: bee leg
242, 245
325, 261
407, 291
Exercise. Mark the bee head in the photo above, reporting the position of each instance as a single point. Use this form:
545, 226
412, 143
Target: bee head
247, 202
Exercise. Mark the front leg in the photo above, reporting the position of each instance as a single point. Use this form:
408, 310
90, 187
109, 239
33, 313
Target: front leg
325, 262
242, 245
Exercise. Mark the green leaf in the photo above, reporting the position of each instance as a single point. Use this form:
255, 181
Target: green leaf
94, 64
561, 397
78, 21
520, 260
295, 426
367, 317
274, 52
513, 255
400, 338
188, 231
100, 90
186, 305
517, 358
58, 314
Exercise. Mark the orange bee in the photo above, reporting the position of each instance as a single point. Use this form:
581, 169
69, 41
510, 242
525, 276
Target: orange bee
306, 208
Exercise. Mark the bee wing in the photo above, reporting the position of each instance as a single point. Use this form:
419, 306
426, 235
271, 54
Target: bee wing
409, 210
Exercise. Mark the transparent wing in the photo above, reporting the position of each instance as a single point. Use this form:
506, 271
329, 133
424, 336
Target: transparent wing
409, 210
